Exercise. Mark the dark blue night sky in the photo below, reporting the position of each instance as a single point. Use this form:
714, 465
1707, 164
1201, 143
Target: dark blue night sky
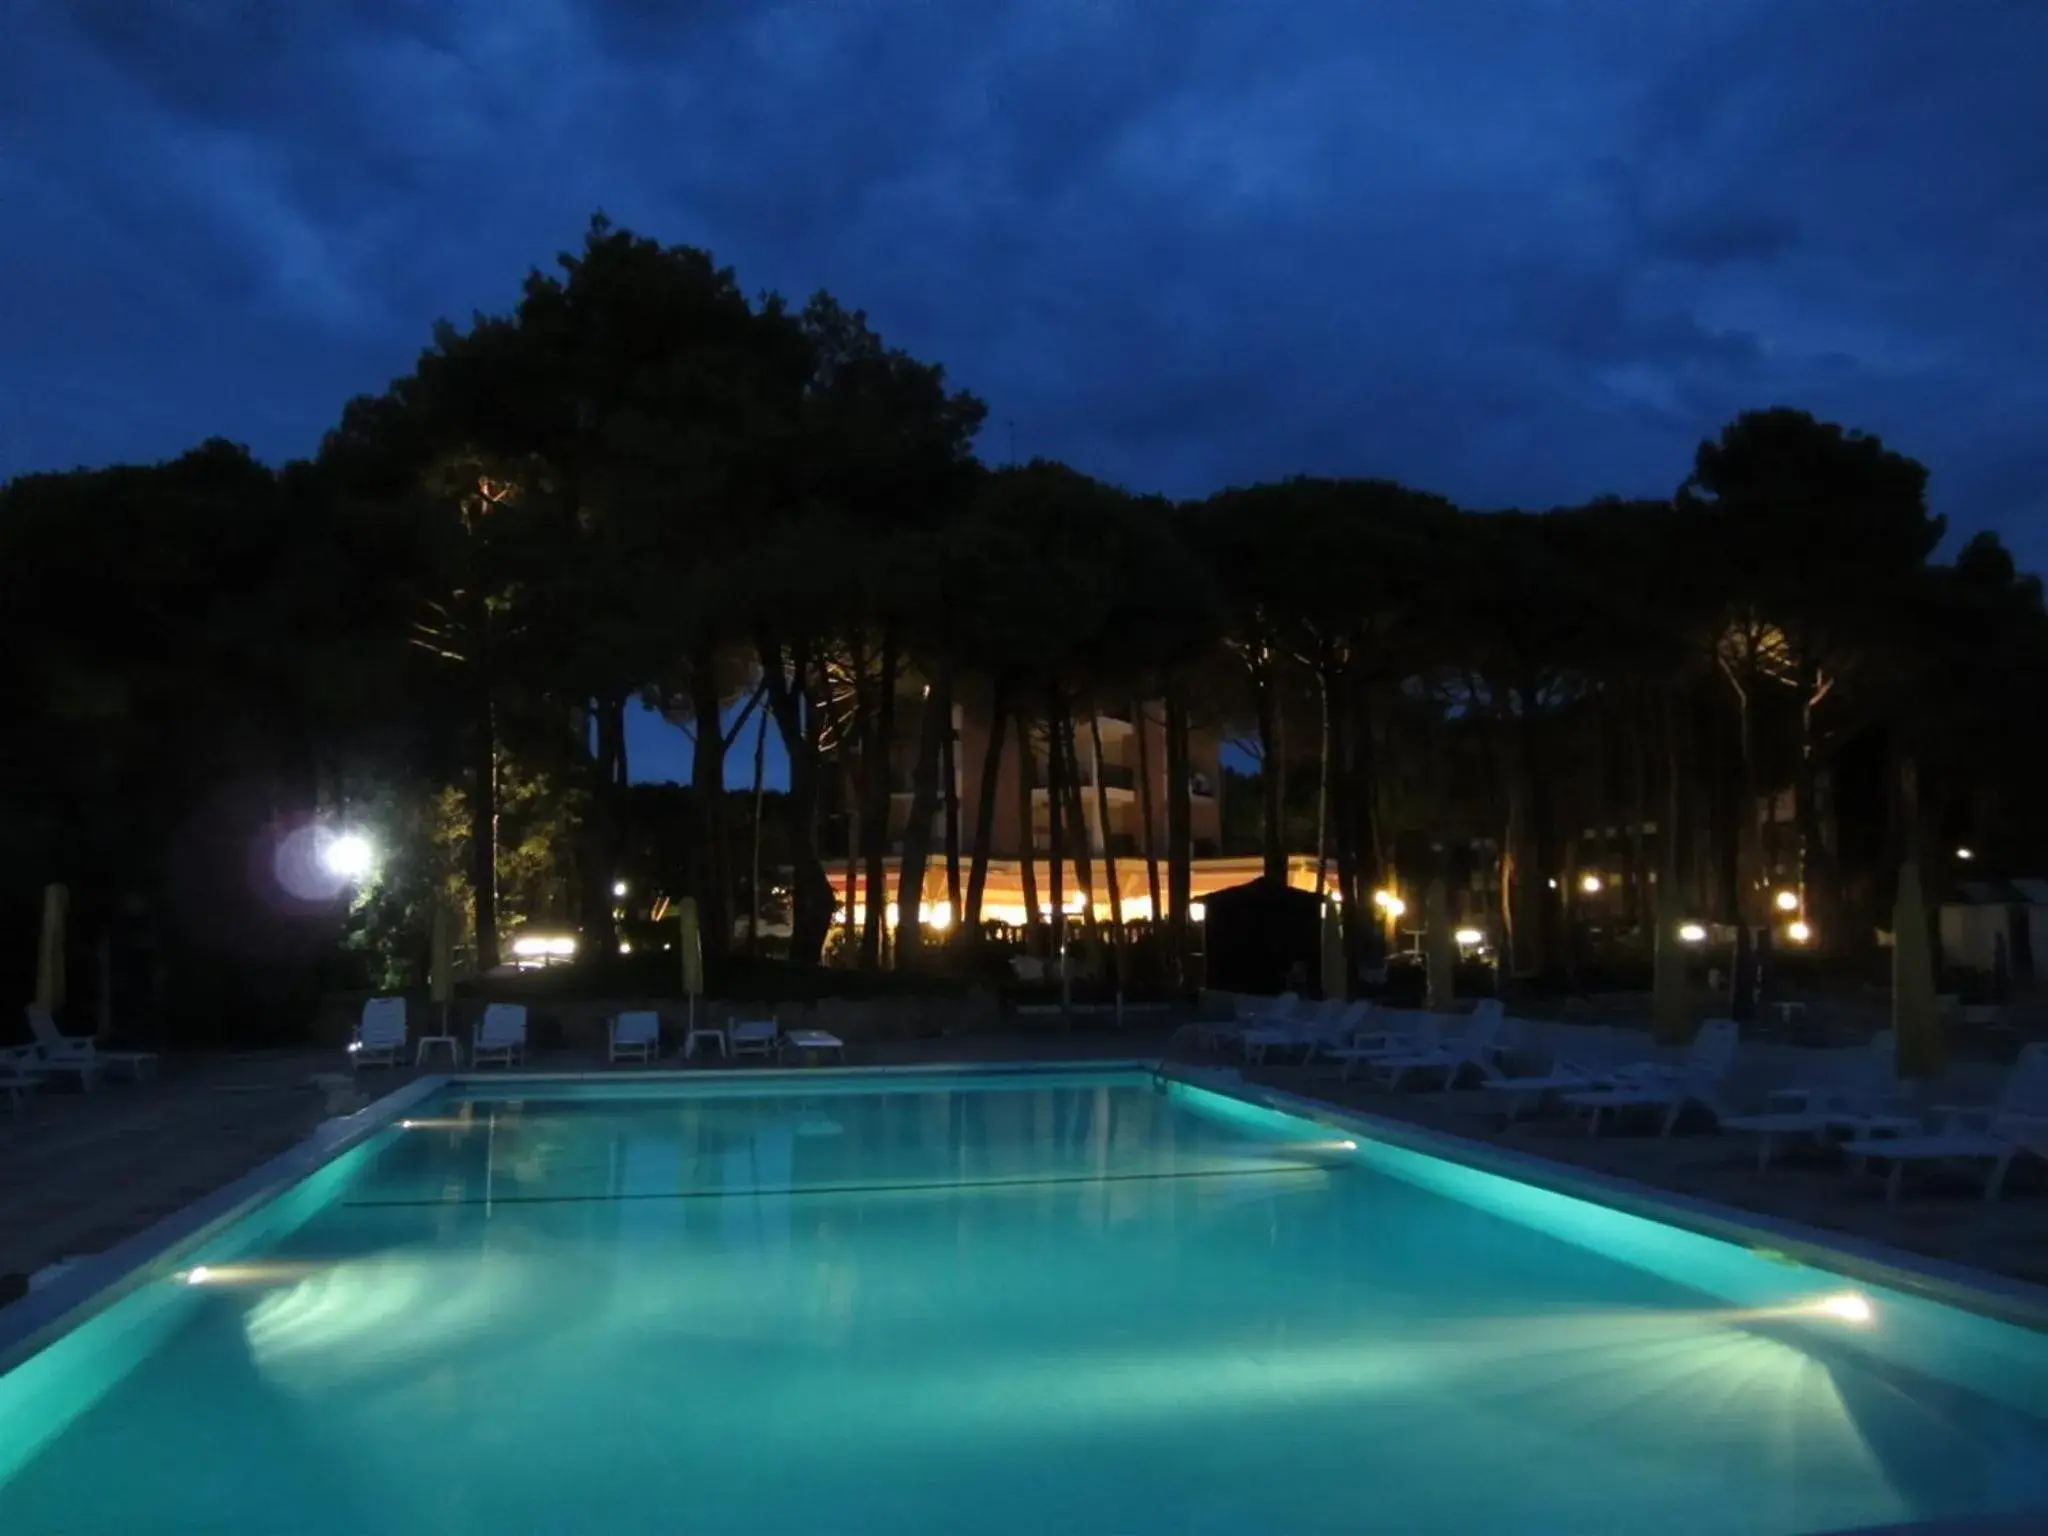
1517, 251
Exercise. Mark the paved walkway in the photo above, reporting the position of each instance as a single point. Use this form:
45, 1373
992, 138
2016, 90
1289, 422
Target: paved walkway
79, 1172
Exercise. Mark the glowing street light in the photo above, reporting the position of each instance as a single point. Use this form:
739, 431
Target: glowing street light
1467, 937
618, 887
1798, 932
1590, 884
348, 855
1389, 903
1692, 933
1788, 901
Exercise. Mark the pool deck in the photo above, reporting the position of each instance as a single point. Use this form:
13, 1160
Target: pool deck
80, 1172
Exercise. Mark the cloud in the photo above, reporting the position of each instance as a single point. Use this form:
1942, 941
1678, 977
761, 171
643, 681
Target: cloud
1520, 253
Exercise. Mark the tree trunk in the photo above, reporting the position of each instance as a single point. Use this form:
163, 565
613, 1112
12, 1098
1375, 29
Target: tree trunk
483, 834
1055, 793
949, 789
800, 724
1640, 904
985, 811
600, 841
754, 856
1027, 834
917, 832
707, 790
878, 767
1116, 897
1077, 818
1179, 838
1272, 772
1147, 810
1323, 780
1340, 729
1818, 886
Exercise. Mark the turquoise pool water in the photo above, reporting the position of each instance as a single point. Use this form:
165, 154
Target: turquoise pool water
1028, 1303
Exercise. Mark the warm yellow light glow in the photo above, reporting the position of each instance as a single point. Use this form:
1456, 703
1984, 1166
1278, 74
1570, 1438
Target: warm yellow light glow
1469, 936
1692, 933
1389, 903
938, 914
1590, 884
1798, 933
532, 945
1848, 1307
1198, 912
1788, 901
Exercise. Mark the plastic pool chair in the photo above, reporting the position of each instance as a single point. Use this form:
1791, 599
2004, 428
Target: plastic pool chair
60, 1050
759, 1037
14, 1083
1406, 1032
1246, 1015
1989, 1133
1656, 1086
380, 1034
1289, 1034
1864, 1103
1476, 1046
636, 1036
500, 1036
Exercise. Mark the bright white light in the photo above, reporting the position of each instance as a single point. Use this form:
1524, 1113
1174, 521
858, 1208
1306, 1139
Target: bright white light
618, 887
199, 1274
1590, 884
1692, 933
1389, 903
1798, 933
1788, 901
1197, 912
1469, 936
1552, 882
348, 855
1965, 854
625, 948
533, 945
1848, 1307
939, 915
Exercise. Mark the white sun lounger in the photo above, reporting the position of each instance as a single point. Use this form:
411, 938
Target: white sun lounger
1696, 1081
500, 1036
1477, 1046
1990, 1133
807, 1042
1299, 1033
60, 1050
28, 1061
1248, 1014
636, 1035
14, 1082
1864, 1104
380, 1034
1403, 1033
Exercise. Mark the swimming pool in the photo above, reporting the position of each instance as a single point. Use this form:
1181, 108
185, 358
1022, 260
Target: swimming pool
1025, 1301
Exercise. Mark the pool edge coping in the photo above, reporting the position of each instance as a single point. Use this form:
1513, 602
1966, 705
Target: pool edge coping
2001, 1298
